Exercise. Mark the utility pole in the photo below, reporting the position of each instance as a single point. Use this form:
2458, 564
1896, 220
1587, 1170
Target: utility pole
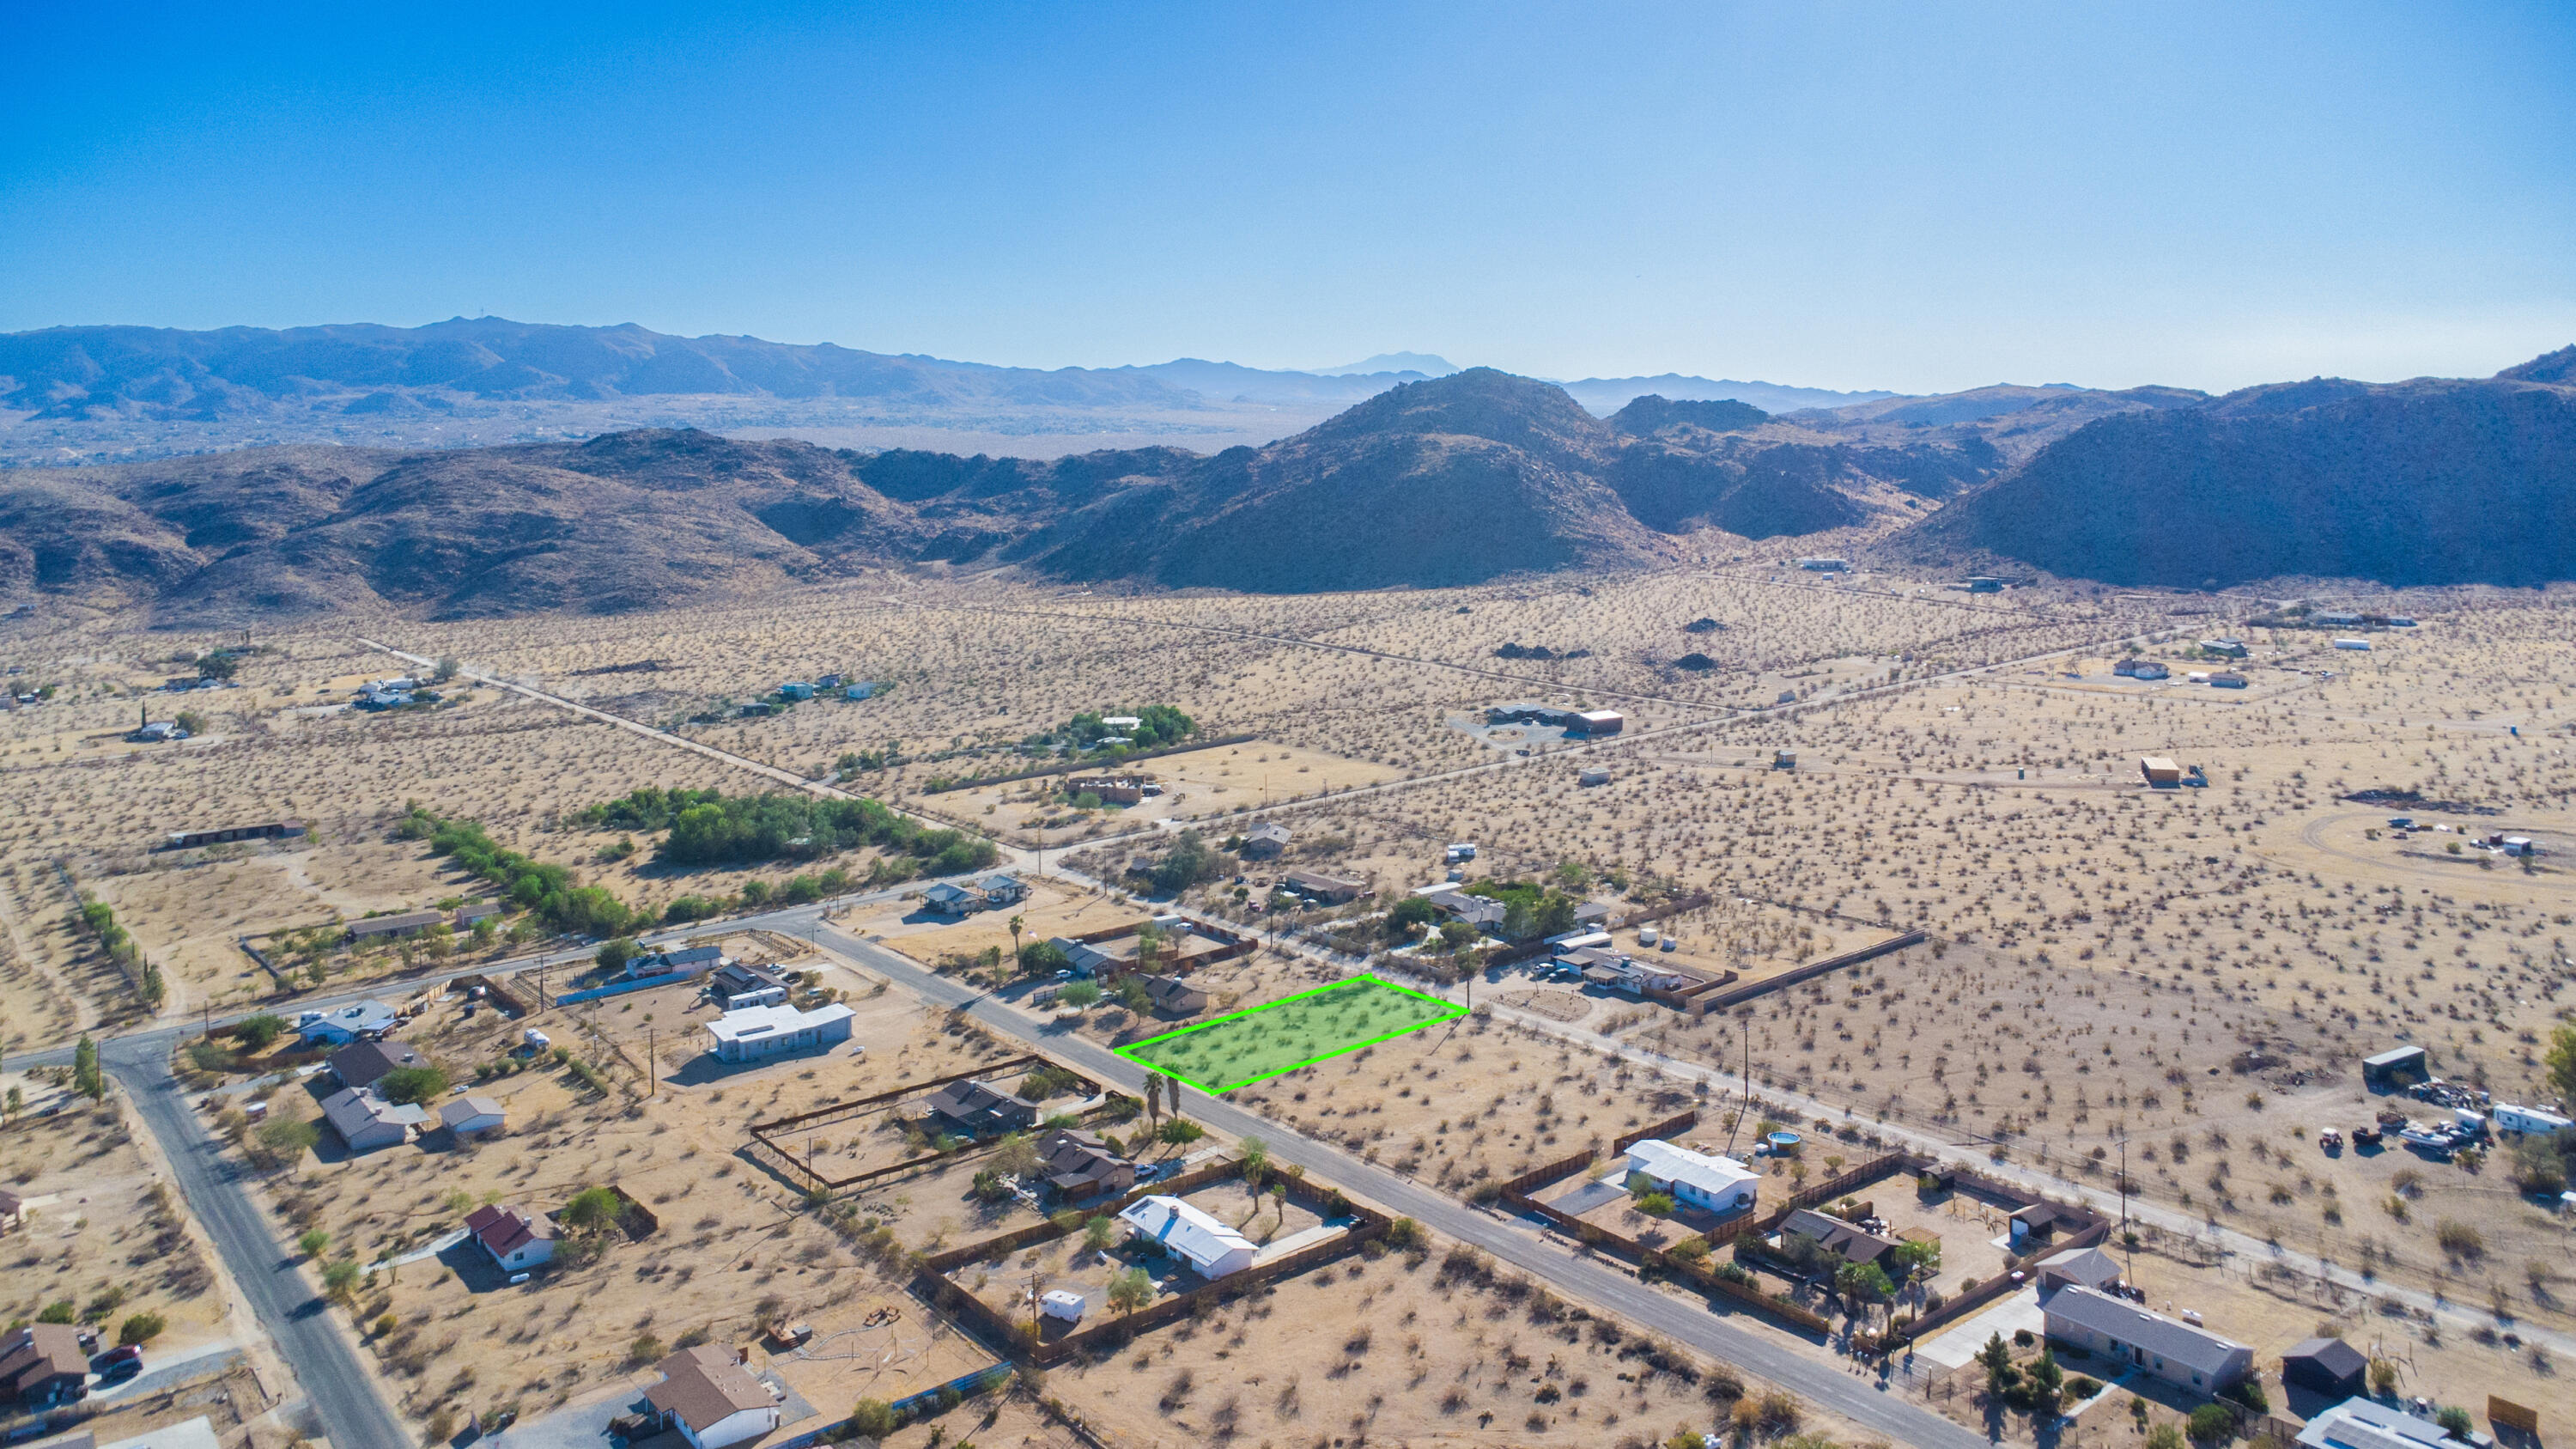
651, 1089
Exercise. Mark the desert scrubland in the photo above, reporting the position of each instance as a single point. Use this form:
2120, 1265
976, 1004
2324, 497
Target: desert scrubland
2102, 957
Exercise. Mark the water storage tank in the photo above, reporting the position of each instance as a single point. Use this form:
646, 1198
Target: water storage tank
1646, 935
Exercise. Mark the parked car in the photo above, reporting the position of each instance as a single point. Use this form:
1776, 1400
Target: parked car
123, 1353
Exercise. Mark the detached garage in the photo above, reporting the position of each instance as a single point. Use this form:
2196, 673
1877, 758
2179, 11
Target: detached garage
2330, 1366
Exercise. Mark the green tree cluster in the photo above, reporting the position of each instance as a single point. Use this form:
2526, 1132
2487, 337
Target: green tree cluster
545, 891
1190, 861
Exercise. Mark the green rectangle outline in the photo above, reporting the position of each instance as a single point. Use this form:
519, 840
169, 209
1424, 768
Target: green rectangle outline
1450, 1011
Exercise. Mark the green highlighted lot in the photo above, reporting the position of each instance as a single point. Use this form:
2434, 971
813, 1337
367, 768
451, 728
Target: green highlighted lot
1260, 1042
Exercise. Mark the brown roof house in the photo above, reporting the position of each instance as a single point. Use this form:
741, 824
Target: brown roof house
363, 1064
975, 1109
711, 1398
1079, 1165
516, 1238
1329, 888
1263, 841
42, 1364
1834, 1238
1174, 997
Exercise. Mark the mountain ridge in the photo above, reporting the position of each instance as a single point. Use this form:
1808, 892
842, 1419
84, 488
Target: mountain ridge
1429, 482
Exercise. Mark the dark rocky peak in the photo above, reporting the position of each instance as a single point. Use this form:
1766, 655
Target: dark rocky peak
1649, 415
1520, 412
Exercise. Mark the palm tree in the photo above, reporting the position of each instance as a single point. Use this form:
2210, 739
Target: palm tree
1017, 925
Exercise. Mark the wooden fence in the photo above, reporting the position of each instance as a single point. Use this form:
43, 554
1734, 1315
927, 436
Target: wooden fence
764, 1133
1809, 972
934, 1284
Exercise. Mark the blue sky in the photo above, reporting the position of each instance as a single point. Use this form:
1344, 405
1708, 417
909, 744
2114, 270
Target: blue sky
1901, 196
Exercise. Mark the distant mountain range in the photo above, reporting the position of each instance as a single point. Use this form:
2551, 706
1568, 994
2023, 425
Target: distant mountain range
78, 394
1606, 395
1432, 481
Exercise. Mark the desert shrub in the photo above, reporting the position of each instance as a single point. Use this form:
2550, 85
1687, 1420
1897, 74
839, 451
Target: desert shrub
873, 1417
692, 908
141, 1328
412, 1085
591, 1208
2459, 1239
288, 1136
1045, 958
211, 1056
61, 1310
2211, 1423
256, 1032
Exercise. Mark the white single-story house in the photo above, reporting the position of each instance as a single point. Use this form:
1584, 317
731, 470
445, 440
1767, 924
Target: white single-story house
2369, 1424
466, 1116
952, 900
2168, 1348
1212, 1249
364, 1021
1716, 1184
755, 1032
711, 1398
366, 1121
688, 961
1621, 972
516, 1238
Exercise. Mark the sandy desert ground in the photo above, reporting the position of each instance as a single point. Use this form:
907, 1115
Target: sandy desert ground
2101, 955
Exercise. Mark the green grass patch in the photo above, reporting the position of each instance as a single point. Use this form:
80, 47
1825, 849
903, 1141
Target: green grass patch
1261, 1042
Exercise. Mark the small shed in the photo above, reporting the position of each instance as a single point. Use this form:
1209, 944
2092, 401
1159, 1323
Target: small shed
1593, 775
2397, 1067
466, 1116
2159, 770
2328, 1365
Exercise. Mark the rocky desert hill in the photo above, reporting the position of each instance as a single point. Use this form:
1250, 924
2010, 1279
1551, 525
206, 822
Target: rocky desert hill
1443, 481
2432, 481
1429, 483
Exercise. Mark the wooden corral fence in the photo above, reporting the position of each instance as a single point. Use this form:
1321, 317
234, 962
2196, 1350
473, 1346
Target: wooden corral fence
1809, 972
996, 1327
771, 1133
493, 991
1696, 1271
2096, 1228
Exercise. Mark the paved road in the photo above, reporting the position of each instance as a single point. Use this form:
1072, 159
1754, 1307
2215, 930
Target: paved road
216, 1187
1759, 1352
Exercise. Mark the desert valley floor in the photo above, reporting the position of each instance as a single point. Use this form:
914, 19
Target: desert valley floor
2182, 978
